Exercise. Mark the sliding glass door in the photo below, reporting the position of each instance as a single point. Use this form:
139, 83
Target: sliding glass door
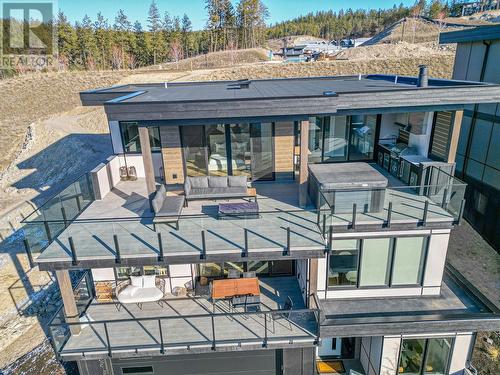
262, 151
229, 149
425, 356
342, 138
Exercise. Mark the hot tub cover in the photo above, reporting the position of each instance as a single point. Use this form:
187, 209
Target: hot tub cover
347, 176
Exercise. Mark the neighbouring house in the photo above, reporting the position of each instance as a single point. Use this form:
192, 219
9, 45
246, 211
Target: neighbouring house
279, 226
478, 151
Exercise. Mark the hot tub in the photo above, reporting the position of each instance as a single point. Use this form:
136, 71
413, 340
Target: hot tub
344, 184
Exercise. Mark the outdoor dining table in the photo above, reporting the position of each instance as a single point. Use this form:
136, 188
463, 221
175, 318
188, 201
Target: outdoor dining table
229, 288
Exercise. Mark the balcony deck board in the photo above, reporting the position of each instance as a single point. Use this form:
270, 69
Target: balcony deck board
197, 331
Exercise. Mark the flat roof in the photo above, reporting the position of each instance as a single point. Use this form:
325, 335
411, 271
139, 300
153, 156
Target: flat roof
471, 35
292, 99
458, 308
266, 88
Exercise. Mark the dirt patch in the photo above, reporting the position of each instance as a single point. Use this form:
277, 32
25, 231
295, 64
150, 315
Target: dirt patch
440, 65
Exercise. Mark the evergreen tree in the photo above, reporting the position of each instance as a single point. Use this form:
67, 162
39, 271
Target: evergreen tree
103, 40
67, 41
122, 27
154, 26
186, 35
142, 46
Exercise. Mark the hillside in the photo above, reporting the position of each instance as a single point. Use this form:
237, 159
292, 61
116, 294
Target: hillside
216, 60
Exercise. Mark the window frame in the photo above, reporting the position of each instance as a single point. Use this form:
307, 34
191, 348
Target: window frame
390, 269
139, 123
426, 351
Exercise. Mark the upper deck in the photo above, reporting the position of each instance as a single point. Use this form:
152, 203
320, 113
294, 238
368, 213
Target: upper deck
78, 231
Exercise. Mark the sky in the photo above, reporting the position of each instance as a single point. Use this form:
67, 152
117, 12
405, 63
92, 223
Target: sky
137, 9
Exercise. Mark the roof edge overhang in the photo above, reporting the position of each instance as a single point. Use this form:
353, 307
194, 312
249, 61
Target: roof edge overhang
476, 34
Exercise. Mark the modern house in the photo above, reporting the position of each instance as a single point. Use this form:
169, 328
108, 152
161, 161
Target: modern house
478, 151
281, 226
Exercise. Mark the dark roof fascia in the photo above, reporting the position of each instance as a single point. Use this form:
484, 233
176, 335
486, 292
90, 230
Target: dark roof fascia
194, 258
476, 34
411, 324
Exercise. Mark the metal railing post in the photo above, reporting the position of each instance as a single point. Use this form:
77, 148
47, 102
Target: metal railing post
445, 198
318, 216
245, 250
28, 252
461, 211
203, 245
74, 257
265, 330
78, 203
213, 332
426, 211
107, 339
389, 215
160, 248
354, 211
330, 239
162, 344
118, 259
65, 219
324, 225
287, 252
47, 231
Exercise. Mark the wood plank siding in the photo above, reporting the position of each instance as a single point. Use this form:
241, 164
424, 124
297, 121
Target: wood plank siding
172, 154
283, 149
443, 124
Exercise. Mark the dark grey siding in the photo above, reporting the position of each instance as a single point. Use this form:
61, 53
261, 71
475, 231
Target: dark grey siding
262, 362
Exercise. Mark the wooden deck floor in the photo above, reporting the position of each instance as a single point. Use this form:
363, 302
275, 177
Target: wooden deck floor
181, 333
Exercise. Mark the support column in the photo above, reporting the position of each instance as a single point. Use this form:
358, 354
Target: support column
313, 276
147, 159
455, 134
68, 298
303, 171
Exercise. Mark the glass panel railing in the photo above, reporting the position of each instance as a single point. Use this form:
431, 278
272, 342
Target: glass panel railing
283, 231
189, 331
417, 205
44, 224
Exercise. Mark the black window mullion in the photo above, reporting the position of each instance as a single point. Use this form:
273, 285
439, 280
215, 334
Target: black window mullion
425, 254
360, 253
392, 255
426, 353
327, 283
229, 151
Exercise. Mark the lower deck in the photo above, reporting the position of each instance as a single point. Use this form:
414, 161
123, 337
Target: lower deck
178, 325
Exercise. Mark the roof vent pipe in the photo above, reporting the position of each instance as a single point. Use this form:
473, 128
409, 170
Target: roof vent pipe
423, 76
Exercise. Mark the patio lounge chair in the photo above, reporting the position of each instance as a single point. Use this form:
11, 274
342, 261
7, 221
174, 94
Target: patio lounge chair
140, 290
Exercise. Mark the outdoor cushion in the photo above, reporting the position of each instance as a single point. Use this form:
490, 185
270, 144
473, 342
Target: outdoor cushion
172, 206
198, 182
149, 281
237, 181
133, 294
217, 182
157, 202
162, 190
136, 281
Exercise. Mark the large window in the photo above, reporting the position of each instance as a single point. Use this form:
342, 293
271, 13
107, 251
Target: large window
408, 260
425, 356
229, 149
261, 268
377, 262
130, 137
341, 138
343, 264
126, 272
